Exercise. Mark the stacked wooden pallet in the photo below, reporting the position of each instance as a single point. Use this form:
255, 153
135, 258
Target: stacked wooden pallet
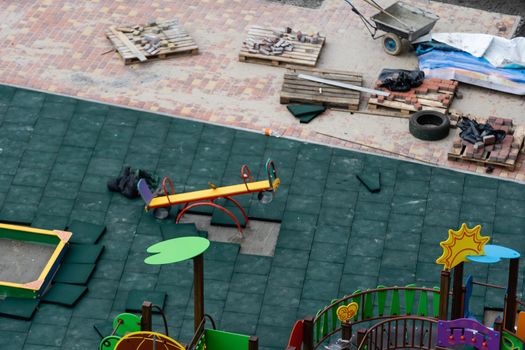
296, 90
434, 95
297, 51
504, 154
156, 40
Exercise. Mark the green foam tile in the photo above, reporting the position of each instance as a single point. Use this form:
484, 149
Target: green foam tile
300, 110
18, 308
220, 218
74, 273
85, 233
307, 118
64, 294
371, 180
83, 253
171, 230
137, 297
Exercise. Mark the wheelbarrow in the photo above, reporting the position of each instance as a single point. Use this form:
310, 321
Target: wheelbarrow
398, 21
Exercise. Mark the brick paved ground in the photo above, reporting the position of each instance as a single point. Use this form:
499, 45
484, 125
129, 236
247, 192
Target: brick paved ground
57, 154
59, 46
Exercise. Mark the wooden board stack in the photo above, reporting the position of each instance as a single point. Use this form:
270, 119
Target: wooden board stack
278, 47
433, 95
142, 43
296, 90
503, 154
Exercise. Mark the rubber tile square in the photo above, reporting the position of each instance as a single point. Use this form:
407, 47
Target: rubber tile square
16, 213
292, 258
87, 122
369, 228
43, 143
304, 169
364, 246
362, 265
220, 218
510, 207
152, 126
328, 252
142, 161
299, 221
21, 115
59, 111
105, 166
272, 338
478, 194
55, 206
352, 282
509, 225
94, 217
83, 253
50, 222
93, 201
171, 230
267, 212
217, 134
251, 147
396, 277
438, 200
479, 213
68, 172
307, 186
146, 145
236, 322
447, 184
116, 134
102, 288
149, 225
51, 127
142, 242
398, 259
244, 302
409, 242
216, 290
81, 138
74, 273
124, 214
7, 93
218, 270
180, 142
287, 316
62, 189
318, 153
146, 281
286, 277
339, 198
74, 155
433, 234
429, 252
259, 265
45, 334
409, 205
53, 314
18, 308
31, 177
511, 190
24, 194
137, 297
372, 211
220, 251
295, 240
426, 271
347, 164
16, 132
282, 296
12, 148
448, 218
332, 234
303, 204
480, 182
211, 152
413, 171
85, 232
111, 150
320, 290
27, 98
247, 283
405, 223
135, 263
10, 165
64, 294
412, 188
92, 108
324, 271
310, 307
336, 216
284, 144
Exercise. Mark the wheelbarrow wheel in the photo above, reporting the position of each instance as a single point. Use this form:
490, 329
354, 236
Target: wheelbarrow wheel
392, 44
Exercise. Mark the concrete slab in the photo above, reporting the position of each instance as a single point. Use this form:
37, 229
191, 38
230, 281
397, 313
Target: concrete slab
68, 55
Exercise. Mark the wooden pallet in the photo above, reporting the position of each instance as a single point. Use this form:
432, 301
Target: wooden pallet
296, 90
131, 50
460, 153
398, 107
305, 54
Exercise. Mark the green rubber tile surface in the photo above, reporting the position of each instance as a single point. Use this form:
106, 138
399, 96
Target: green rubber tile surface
64, 294
335, 237
137, 297
83, 253
18, 307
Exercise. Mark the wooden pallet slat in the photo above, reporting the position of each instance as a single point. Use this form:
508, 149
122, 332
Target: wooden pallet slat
131, 51
296, 90
306, 54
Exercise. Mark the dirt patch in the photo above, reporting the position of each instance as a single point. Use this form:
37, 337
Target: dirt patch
313, 4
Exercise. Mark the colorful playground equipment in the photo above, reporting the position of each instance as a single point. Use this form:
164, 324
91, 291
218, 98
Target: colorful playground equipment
207, 197
132, 332
413, 317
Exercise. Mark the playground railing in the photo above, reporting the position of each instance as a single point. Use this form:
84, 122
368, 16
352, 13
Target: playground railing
404, 332
376, 304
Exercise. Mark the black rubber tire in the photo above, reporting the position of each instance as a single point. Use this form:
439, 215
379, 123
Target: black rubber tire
392, 44
429, 125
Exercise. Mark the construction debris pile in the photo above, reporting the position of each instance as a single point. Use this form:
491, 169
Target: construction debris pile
279, 42
152, 40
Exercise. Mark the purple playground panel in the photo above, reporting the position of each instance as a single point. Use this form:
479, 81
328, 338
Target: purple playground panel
144, 191
465, 331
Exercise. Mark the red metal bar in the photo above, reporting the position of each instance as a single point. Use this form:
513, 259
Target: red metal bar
211, 204
246, 174
165, 190
246, 220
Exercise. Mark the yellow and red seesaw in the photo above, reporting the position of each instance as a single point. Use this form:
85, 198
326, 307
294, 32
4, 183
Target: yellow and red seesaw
190, 200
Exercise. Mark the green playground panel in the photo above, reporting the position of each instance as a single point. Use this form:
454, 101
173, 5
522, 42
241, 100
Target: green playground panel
58, 239
221, 340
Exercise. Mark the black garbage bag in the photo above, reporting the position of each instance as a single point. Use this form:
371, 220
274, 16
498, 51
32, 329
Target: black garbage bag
126, 182
401, 79
472, 131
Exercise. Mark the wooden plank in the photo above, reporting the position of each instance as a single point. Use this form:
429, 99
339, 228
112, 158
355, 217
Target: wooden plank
124, 39
315, 92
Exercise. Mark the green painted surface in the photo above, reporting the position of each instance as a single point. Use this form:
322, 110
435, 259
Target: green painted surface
28, 236
221, 340
328, 218
176, 250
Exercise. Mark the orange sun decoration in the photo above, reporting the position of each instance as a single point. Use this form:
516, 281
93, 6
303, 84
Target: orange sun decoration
460, 244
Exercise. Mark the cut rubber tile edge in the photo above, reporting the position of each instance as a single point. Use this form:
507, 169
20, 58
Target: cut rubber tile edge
371, 181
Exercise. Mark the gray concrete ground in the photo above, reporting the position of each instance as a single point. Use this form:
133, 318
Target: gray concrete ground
22, 262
